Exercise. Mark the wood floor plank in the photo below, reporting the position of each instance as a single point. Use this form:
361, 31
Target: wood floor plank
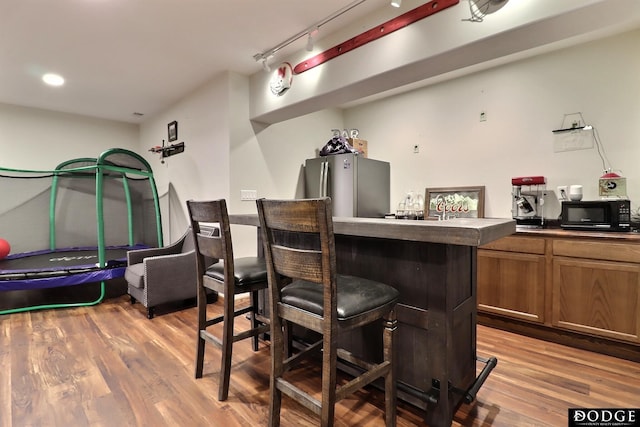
108, 365
5, 376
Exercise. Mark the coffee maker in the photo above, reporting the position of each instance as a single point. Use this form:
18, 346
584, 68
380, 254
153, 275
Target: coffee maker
527, 205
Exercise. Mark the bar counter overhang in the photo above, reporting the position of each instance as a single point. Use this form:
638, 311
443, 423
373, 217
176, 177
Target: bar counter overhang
433, 265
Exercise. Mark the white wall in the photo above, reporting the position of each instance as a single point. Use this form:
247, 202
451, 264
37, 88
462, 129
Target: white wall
37, 139
443, 42
225, 153
524, 101
269, 159
202, 170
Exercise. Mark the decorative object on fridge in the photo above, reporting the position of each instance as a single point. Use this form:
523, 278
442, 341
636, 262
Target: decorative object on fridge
337, 145
455, 202
360, 145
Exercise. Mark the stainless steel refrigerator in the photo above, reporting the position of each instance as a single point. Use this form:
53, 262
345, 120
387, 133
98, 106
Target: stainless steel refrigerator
358, 187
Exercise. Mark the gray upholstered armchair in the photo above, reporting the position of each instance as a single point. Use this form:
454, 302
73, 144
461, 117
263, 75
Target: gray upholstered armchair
162, 275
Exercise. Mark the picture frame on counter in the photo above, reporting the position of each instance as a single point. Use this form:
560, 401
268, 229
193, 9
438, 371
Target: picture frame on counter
454, 202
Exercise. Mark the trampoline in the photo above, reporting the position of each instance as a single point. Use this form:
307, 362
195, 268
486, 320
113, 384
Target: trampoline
75, 224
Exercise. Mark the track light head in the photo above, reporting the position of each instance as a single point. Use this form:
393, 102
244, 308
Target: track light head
264, 59
311, 33
309, 46
265, 64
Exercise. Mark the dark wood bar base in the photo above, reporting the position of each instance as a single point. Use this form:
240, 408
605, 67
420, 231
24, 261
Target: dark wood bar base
436, 349
433, 265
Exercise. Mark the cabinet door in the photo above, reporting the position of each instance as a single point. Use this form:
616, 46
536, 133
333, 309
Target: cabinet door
511, 284
600, 298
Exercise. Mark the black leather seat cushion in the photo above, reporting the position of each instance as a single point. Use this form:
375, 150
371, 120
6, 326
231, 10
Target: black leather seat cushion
356, 295
246, 270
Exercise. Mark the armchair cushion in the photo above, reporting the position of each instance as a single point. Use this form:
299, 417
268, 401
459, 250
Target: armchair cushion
162, 275
134, 275
138, 255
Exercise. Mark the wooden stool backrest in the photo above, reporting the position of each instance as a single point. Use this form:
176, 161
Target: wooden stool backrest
299, 244
208, 245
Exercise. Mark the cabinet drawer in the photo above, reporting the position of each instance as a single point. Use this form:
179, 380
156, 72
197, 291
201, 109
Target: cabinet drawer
529, 245
511, 284
607, 251
600, 298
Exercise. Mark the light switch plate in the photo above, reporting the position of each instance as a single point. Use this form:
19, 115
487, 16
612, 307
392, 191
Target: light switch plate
248, 194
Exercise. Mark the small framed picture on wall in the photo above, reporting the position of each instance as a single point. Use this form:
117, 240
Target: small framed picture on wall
172, 128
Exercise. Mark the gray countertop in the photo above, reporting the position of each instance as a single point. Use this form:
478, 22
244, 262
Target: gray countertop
458, 231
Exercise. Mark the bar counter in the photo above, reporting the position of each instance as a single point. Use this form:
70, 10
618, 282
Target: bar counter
458, 231
433, 265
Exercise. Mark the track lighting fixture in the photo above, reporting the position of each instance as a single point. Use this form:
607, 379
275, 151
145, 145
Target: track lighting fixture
265, 64
396, 3
310, 33
309, 46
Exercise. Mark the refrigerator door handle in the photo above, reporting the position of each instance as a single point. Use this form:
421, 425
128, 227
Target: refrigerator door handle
324, 179
321, 181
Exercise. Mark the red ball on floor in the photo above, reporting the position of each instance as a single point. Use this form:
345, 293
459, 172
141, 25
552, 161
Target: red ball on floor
5, 248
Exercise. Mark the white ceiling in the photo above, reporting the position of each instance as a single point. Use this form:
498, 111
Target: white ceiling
121, 57
125, 56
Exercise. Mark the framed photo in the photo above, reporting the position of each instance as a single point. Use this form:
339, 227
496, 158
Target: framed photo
454, 202
172, 128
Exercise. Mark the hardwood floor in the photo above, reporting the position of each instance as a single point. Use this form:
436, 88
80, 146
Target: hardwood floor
108, 365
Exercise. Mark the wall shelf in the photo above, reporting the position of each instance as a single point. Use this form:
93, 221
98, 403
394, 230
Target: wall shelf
169, 150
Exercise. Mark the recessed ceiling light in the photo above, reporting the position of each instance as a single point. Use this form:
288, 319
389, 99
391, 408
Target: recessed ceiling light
53, 79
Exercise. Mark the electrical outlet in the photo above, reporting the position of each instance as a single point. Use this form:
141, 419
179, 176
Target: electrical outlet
248, 194
416, 149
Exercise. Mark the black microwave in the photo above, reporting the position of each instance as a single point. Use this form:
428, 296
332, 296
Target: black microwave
605, 215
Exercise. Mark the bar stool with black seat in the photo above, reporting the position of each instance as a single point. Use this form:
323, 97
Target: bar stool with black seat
230, 277
305, 289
